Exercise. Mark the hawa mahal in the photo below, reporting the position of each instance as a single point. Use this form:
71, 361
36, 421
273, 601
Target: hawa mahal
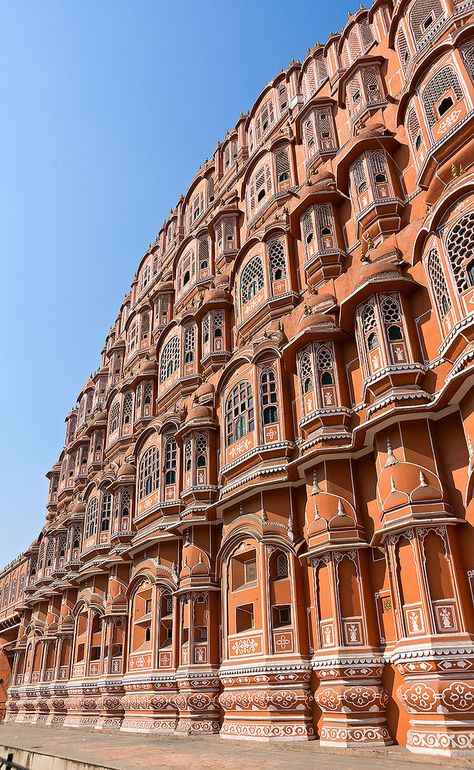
260, 523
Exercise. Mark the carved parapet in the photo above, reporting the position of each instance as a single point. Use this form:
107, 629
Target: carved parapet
438, 694
352, 700
149, 706
267, 702
198, 702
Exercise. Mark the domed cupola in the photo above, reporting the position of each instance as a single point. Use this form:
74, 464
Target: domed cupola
331, 521
408, 492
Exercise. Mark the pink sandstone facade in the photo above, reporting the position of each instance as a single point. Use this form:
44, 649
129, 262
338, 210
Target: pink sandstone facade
260, 524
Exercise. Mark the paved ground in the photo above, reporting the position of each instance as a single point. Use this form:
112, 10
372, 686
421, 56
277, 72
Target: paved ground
124, 751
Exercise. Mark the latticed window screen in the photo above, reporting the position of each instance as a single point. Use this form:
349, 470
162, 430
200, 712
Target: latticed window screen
467, 52
105, 512
145, 325
307, 226
92, 517
372, 85
414, 129
438, 282
324, 357
230, 154
252, 279
205, 328
186, 270
366, 35
147, 392
218, 323
282, 98
324, 223
423, 15
390, 307
277, 260
367, 317
260, 186
201, 450
148, 472
443, 81
358, 176
309, 136
239, 412
377, 162
309, 83
50, 551
325, 129
264, 119
402, 48
128, 409
282, 565
169, 358
114, 417
305, 368
459, 247
203, 253
125, 502
187, 455
282, 164
171, 452
189, 343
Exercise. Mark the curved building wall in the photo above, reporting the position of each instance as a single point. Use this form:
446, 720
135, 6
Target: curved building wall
260, 523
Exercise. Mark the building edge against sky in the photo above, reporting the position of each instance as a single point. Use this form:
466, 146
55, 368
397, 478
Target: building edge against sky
260, 524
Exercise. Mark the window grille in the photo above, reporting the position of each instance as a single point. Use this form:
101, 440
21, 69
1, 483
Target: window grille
219, 229
239, 412
402, 48
310, 84
443, 81
438, 283
423, 15
390, 307
459, 246
171, 452
282, 565
260, 186
305, 368
201, 451
372, 85
229, 230
126, 501
128, 409
145, 325
321, 68
92, 516
325, 129
210, 190
282, 164
366, 35
205, 328
358, 174
218, 323
187, 455
170, 358
414, 129
324, 358
325, 223
467, 52
282, 98
309, 137
378, 165
105, 512
277, 260
203, 253
148, 473
114, 418
147, 392
368, 319
189, 343
252, 280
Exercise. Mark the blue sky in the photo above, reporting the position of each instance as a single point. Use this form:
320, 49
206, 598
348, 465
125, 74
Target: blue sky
108, 109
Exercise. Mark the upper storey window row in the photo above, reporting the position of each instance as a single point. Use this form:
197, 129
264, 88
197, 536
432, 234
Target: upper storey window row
358, 41
314, 75
417, 28
267, 115
272, 175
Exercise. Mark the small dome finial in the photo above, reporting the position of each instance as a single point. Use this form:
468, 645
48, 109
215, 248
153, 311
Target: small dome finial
391, 459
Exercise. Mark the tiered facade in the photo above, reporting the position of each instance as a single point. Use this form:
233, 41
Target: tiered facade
260, 524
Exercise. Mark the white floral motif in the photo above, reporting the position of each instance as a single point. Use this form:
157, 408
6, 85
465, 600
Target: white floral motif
244, 646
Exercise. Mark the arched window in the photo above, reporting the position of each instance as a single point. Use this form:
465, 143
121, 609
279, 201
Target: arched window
169, 358
440, 94
372, 341
282, 165
252, 280
201, 451
306, 372
239, 412
189, 343
105, 512
282, 565
127, 409
259, 189
423, 15
148, 474
459, 245
188, 455
171, 452
114, 418
402, 48
268, 395
92, 517
277, 260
